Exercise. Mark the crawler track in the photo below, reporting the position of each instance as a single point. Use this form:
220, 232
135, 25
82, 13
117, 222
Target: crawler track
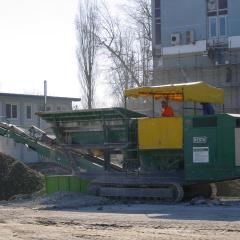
145, 188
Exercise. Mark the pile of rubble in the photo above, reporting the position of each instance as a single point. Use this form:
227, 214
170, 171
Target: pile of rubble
63, 200
16, 178
229, 188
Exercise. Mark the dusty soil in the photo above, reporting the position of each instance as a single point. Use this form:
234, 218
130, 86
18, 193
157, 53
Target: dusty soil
119, 222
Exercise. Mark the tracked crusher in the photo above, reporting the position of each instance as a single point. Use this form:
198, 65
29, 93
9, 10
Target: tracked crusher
126, 154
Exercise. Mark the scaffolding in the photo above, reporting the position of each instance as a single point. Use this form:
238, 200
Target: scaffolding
219, 66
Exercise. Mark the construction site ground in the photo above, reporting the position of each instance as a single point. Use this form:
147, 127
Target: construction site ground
71, 217
27, 213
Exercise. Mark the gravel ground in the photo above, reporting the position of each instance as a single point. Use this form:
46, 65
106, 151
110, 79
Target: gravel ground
38, 219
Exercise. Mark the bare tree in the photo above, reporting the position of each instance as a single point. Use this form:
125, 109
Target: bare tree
87, 31
129, 47
112, 38
123, 69
140, 14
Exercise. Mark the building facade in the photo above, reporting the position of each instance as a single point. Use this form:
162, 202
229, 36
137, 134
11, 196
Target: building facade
20, 109
198, 40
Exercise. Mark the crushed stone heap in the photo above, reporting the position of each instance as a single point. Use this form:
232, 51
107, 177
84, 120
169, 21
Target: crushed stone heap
16, 178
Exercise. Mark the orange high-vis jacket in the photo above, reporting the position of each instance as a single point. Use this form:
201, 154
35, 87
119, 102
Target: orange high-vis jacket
167, 112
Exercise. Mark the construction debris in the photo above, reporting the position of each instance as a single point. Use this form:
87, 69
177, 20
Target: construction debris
16, 178
229, 188
63, 200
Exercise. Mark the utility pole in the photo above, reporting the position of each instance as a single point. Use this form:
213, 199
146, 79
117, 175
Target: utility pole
45, 95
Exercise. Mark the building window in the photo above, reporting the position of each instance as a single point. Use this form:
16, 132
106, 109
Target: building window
222, 26
157, 22
29, 112
212, 27
217, 18
212, 5
8, 111
217, 7
222, 4
11, 111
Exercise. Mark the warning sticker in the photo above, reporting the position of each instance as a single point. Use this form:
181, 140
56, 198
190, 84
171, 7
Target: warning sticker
200, 154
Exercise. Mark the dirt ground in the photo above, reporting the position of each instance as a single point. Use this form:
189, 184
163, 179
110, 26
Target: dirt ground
120, 222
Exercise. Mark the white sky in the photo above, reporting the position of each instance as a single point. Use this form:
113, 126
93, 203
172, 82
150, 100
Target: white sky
37, 43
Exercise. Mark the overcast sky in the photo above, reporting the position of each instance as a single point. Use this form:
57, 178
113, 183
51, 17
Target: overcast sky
38, 43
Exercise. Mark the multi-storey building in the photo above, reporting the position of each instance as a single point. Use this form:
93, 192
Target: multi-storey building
20, 109
198, 40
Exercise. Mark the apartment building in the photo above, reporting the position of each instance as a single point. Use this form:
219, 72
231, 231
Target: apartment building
198, 40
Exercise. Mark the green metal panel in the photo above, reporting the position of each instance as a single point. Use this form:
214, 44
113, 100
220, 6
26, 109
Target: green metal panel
200, 167
117, 136
51, 184
226, 142
63, 184
2, 131
89, 137
83, 185
74, 184
209, 148
99, 137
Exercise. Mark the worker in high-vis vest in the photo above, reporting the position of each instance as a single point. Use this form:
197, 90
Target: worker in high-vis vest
167, 110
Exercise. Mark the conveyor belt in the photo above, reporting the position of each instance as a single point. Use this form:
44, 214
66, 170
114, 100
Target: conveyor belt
51, 150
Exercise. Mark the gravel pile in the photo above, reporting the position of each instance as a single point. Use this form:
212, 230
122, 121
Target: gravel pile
16, 178
229, 188
201, 201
